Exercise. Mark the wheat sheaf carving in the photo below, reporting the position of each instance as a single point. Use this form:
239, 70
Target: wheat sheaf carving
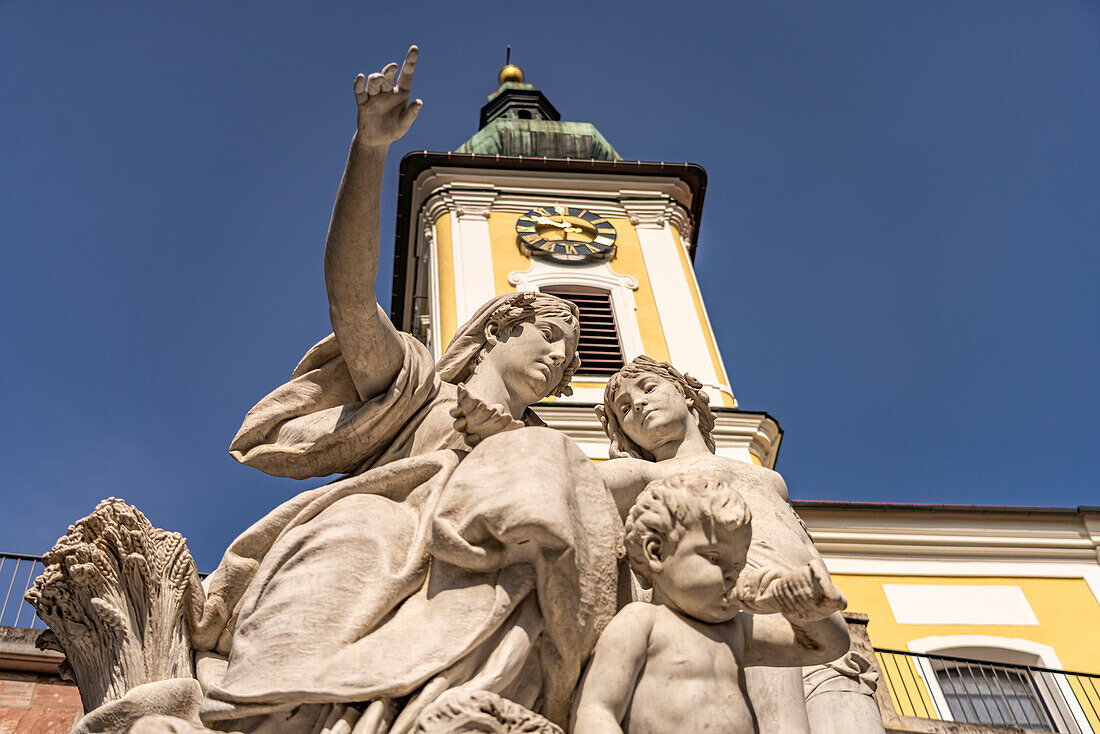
114, 595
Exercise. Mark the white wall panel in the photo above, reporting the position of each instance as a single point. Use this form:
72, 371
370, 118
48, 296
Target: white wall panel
949, 604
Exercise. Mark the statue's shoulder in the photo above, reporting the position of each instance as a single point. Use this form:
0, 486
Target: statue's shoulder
636, 618
746, 474
712, 463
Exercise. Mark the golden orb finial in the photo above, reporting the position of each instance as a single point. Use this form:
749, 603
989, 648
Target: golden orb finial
510, 73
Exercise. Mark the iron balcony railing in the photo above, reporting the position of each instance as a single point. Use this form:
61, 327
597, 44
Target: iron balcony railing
947, 688
17, 574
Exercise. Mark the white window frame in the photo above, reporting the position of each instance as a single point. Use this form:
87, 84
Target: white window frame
543, 273
1048, 658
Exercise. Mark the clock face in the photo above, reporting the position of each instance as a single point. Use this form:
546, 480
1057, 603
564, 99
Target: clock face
566, 234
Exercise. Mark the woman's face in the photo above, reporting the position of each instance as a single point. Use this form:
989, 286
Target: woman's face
651, 411
532, 356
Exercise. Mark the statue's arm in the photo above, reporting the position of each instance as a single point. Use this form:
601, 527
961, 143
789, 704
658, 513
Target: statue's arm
626, 478
808, 630
780, 538
368, 340
610, 680
779, 641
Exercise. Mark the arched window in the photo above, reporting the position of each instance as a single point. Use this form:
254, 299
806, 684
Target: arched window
993, 680
600, 348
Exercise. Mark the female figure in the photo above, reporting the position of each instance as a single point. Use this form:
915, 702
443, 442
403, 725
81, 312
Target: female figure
411, 576
660, 423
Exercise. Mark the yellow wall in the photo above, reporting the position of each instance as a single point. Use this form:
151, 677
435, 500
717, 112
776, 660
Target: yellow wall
446, 274
628, 260
507, 258
1067, 611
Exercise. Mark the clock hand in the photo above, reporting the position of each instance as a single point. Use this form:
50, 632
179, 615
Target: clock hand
564, 226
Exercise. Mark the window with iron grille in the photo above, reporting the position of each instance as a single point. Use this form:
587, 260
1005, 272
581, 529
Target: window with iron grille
600, 350
992, 694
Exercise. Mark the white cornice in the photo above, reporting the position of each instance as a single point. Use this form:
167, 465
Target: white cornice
463, 199
519, 191
959, 534
736, 434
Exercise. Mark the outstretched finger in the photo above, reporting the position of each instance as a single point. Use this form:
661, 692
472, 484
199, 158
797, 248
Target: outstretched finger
410, 113
374, 83
405, 78
388, 74
360, 89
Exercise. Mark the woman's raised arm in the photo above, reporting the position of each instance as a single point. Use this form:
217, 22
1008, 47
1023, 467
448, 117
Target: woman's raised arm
368, 340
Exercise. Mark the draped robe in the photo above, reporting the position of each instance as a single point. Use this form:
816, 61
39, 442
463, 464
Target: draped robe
428, 567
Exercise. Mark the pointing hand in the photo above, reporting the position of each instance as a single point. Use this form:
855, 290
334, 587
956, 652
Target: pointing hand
385, 112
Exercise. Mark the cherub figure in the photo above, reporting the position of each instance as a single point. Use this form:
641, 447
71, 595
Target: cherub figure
659, 423
677, 664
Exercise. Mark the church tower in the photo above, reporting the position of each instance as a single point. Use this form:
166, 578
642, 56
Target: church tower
532, 203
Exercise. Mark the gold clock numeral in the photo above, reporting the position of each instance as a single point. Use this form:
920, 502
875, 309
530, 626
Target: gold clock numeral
541, 212
603, 241
570, 249
524, 229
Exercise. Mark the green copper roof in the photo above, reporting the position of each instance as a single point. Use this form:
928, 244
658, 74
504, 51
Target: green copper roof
511, 85
518, 120
538, 138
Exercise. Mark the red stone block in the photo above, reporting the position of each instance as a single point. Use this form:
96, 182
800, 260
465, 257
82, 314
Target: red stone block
56, 696
16, 693
35, 721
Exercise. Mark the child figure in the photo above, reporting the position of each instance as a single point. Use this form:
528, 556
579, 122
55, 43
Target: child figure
660, 424
677, 664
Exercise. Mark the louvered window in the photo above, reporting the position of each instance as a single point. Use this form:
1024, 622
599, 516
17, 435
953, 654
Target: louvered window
600, 350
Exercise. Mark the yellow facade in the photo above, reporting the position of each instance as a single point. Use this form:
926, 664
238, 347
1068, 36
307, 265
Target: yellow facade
508, 258
445, 264
628, 260
1066, 610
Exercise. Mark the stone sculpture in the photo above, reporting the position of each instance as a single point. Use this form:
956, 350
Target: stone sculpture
682, 657
481, 712
114, 593
840, 695
458, 574
659, 423
415, 574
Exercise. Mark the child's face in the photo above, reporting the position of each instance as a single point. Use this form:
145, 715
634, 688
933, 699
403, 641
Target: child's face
651, 411
699, 576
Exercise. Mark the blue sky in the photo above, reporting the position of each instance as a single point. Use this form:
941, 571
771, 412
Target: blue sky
898, 249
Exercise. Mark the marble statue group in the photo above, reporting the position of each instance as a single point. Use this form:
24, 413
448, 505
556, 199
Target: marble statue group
471, 570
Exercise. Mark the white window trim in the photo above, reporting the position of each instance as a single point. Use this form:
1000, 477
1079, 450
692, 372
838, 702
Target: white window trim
1046, 654
621, 288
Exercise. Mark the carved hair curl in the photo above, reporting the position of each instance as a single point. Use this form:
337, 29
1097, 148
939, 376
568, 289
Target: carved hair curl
531, 306
667, 508
691, 388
